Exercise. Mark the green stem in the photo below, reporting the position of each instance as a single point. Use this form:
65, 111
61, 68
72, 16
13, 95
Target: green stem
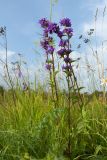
50, 10
10, 80
54, 78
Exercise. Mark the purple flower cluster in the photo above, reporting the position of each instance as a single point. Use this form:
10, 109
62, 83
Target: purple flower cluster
44, 22
65, 22
49, 27
65, 49
53, 28
47, 43
68, 31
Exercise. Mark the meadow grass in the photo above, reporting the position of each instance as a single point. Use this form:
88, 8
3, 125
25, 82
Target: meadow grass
34, 129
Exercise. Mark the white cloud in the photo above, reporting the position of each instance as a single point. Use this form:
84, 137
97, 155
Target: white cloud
101, 36
101, 23
10, 54
101, 28
93, 5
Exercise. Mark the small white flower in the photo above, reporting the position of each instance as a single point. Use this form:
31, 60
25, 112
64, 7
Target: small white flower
103, 81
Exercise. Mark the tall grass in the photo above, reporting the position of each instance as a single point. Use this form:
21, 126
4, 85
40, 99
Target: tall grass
34, 129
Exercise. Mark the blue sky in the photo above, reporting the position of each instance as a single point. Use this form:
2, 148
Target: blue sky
21, 19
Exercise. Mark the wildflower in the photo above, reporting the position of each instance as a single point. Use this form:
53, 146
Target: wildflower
68, 31
19, 74
44, 22
60, 34
68, 51
63, 43
50, 50
25, 87
103, 81
61, 52
53, 28
48, 66
65, 22
45, 33
66, 67
18, 71
67, 60
44, 44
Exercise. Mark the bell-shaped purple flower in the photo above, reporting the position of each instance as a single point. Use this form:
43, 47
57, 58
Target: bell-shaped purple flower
62, 52
25, 87
50, 50
48, 66
45, 33
53, 28
65, 22
60, 34
68, 31
19, 74
67, 60
63, 43
44, 22
44, 44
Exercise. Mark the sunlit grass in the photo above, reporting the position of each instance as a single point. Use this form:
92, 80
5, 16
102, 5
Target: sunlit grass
34, 129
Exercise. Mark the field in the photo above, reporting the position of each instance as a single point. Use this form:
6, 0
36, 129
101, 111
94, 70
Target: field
63, 114
34, 129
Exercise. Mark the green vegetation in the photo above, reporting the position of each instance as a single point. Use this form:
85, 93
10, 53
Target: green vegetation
49, 123
34, 129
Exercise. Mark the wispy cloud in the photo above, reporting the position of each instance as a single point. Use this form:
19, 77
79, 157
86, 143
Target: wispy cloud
101, 21
10, 54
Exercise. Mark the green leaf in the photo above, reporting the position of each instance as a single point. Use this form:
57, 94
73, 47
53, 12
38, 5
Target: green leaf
78, 89
98, 149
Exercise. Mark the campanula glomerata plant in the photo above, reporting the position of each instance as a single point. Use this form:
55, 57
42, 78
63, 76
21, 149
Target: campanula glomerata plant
47, 44
64, 32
